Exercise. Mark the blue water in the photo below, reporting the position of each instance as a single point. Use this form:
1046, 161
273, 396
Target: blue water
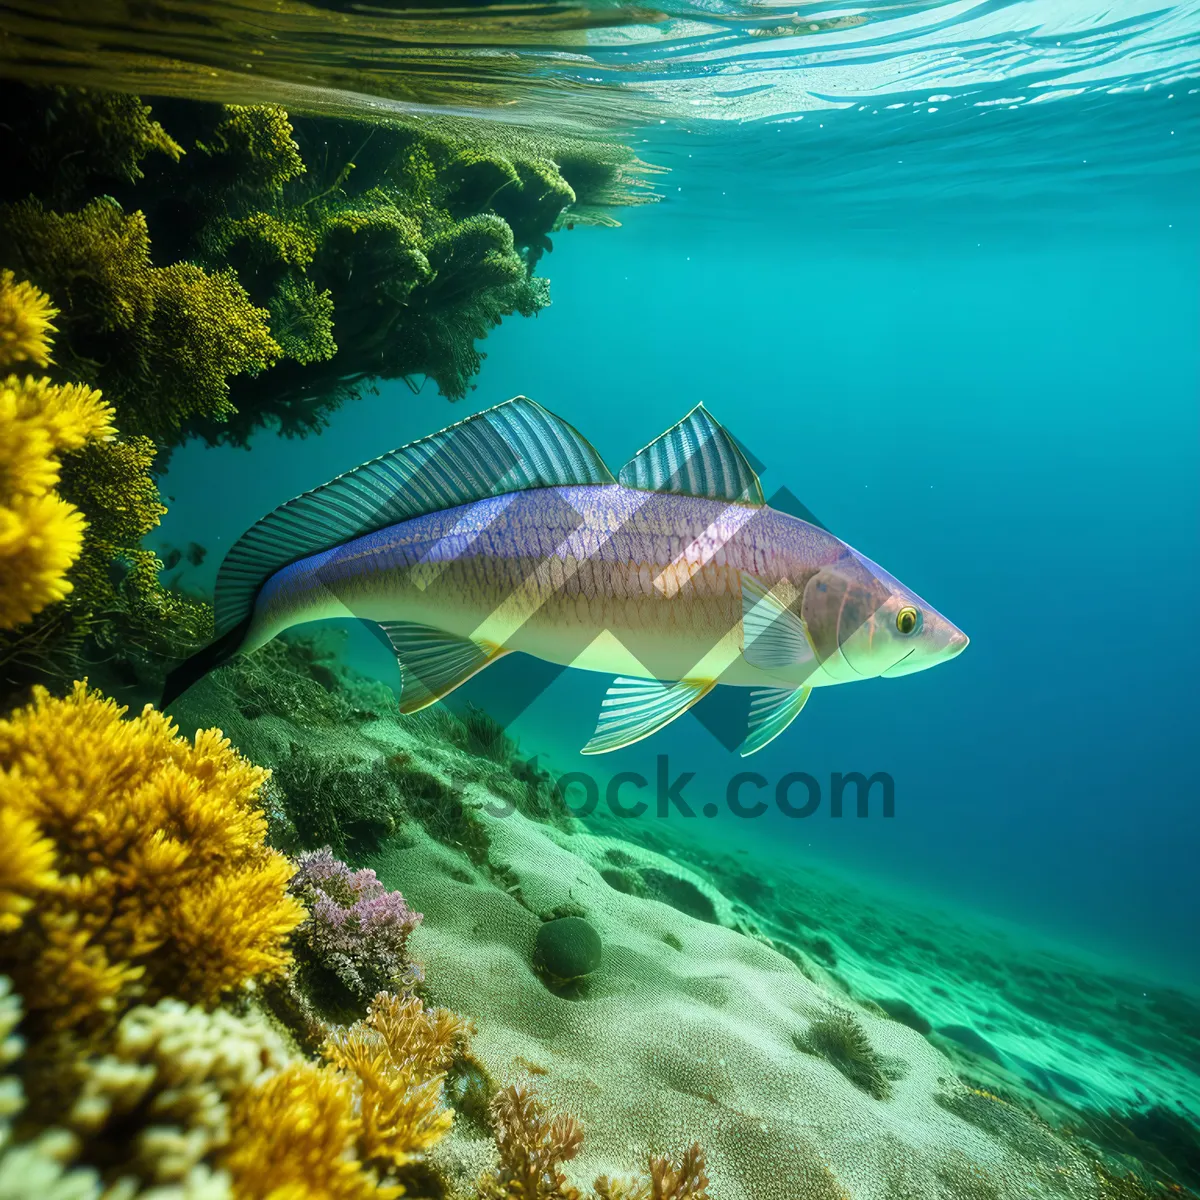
967, 341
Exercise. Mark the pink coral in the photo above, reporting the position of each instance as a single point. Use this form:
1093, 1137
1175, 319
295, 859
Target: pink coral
356, 928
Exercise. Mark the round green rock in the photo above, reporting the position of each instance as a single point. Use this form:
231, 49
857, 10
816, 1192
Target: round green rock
567, 948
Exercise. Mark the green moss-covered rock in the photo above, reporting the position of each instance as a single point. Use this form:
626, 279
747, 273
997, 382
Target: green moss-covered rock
567, 949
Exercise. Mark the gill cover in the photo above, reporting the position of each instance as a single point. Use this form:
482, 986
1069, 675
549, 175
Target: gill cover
840, 601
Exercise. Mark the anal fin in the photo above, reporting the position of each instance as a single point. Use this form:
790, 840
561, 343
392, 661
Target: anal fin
635, 708
433, 663
772, 710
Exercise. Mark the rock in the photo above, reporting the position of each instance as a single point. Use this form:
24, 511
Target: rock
567, 948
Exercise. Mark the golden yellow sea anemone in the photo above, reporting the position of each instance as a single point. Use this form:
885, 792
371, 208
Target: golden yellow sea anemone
40, 537
26, 317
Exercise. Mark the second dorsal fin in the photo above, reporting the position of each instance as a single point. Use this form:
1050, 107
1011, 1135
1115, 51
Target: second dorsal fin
694, 458
516, 445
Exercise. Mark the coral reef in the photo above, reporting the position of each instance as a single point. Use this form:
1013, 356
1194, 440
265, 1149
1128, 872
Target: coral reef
26, 322
160, 883
41, 533
75, 502
353, 943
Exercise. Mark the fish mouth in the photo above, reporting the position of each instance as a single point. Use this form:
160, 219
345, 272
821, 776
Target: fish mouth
888, 672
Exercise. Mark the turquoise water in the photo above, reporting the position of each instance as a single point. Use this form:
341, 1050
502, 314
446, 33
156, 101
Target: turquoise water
973, 356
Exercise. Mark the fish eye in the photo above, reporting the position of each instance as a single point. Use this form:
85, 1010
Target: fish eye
907, 620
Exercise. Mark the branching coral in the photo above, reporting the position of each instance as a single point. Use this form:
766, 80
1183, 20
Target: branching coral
353, 1129
533, 1145
163, 883
293, 1139
399, 1057
687, 1180
356, 930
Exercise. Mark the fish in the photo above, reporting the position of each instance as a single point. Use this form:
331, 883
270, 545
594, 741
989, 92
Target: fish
507, 533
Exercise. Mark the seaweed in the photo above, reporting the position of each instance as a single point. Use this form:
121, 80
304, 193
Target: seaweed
224, 267
838, 1037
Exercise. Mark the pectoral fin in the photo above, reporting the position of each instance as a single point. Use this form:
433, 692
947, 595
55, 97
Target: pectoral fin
772, 710
433, 663
636, 708
772, 635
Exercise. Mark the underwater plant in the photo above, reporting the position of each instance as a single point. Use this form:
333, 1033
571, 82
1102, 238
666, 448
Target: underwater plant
533, 1144
168, 337
142, 870
338, 800
838, 1037
75, 502
224, 267
355, 936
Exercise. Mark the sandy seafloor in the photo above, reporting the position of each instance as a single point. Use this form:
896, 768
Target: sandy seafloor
1008, 1065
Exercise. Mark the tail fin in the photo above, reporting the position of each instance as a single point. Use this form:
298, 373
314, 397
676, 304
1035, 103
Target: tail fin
193, 669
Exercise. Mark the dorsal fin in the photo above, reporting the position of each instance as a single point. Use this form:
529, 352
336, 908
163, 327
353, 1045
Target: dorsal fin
694, 458
516, 445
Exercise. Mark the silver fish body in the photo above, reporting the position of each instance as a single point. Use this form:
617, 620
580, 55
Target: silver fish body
507, 532
606, 578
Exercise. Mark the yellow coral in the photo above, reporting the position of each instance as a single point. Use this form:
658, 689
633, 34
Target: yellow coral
292, 1139
164, 885
40, 537
38, 421
26, 322
348, 1131
26, 867
399, 1056
41, 534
